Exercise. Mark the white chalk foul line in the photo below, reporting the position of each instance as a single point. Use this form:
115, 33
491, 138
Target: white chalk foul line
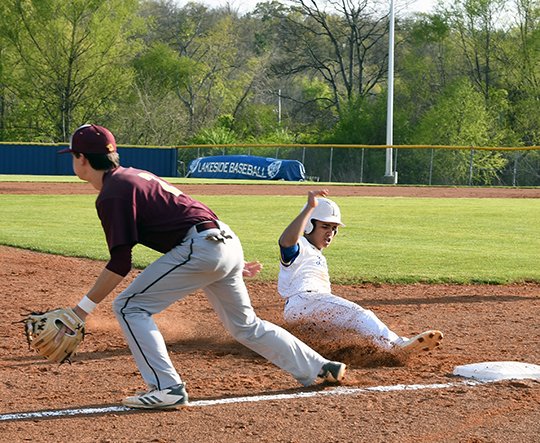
340, 390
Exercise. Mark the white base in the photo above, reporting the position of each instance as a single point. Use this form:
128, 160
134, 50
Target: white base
499, 370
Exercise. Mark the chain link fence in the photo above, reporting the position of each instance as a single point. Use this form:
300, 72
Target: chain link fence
414, 165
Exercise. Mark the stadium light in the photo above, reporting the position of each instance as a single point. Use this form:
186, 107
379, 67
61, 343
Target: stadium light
390, 175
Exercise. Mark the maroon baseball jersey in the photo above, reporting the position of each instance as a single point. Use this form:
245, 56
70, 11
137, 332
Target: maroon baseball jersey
136, 206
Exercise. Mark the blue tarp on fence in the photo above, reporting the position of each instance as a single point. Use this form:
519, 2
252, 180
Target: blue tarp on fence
246, 167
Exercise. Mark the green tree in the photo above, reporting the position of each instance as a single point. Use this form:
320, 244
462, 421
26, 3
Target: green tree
459, 118
425, 63
156, 114
341, 43
477, 23
8, 102
201, 57
73, 58
521, 67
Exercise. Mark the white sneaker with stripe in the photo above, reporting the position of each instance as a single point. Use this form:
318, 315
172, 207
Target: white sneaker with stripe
159, 399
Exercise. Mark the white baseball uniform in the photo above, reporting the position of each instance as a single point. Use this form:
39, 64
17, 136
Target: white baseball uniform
305, 284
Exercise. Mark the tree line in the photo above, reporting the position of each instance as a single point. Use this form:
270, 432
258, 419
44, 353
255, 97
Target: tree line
308, 71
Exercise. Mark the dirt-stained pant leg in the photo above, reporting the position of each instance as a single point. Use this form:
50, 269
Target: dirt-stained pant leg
338, 312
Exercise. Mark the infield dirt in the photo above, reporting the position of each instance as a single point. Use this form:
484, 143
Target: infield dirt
481, 323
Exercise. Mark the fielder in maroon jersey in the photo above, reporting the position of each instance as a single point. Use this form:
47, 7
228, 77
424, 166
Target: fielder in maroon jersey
199, 252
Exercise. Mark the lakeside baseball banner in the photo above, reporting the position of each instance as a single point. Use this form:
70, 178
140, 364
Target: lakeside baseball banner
246, 167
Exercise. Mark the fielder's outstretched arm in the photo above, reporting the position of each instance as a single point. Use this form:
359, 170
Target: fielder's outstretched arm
104, 285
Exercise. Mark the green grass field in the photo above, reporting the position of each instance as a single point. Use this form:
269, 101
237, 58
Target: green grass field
395, 240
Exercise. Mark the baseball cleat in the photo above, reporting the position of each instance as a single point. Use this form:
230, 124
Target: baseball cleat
333, 371
158, 399
426, 341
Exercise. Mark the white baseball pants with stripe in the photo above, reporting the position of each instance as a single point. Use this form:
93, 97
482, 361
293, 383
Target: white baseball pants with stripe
216, 268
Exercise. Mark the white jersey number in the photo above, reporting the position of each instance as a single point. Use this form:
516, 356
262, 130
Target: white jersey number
166, 186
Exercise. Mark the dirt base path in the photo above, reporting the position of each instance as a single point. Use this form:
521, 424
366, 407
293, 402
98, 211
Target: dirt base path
481, 323
286, 189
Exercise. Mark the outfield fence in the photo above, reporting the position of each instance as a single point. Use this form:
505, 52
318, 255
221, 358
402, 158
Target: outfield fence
351, 163
414, 164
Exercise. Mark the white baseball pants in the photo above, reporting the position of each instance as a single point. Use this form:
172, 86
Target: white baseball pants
216, 267
340, 313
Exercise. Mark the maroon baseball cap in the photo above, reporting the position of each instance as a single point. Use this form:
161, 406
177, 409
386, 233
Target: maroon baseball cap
91, 139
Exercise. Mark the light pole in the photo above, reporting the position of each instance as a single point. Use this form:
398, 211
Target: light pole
279, 106
390, 175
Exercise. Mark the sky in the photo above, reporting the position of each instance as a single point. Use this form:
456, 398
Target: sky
248, 5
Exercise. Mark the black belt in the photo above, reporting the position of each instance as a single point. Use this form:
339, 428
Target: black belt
206, 225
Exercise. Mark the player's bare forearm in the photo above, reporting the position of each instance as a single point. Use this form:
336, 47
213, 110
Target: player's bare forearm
104, 285
292, 233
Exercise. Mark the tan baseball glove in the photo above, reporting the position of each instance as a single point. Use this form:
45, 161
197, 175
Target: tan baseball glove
54, 334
